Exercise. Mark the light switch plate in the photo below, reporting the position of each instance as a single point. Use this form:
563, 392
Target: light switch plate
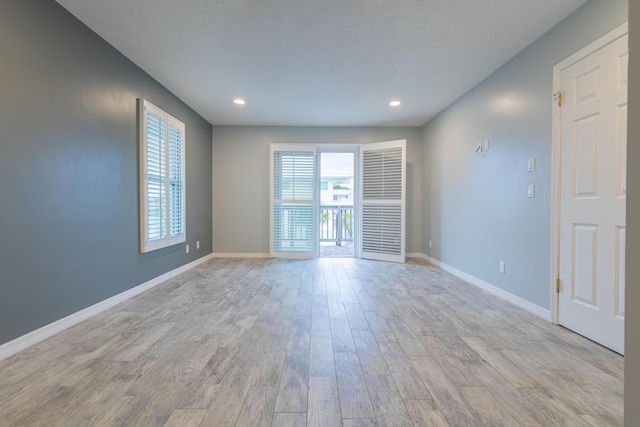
485, 145
531, 190
531, 165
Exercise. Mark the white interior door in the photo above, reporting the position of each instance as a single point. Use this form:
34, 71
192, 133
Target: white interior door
293, 199
383, 189
592, 195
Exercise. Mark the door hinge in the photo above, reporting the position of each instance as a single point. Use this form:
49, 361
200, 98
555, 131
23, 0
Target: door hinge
558, 283
558, 98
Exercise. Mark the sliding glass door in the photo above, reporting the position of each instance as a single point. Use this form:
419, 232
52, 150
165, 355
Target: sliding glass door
375, 207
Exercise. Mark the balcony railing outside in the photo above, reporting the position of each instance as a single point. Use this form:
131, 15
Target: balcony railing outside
336, 223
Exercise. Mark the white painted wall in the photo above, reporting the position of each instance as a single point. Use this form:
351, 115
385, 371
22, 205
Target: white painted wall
241, 179
476, 210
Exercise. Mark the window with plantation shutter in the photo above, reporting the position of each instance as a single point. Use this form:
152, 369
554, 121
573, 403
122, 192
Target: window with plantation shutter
162, 179
383, 169
292, 201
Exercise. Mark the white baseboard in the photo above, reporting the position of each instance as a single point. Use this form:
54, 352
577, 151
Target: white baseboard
513, 299
34, 337
413, 255
240, 255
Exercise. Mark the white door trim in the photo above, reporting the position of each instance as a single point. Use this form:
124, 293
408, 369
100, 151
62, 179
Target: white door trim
555, 155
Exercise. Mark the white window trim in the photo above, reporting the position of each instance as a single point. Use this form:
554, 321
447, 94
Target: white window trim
146, 244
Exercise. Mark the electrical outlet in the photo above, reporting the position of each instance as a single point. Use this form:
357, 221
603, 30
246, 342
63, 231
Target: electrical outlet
501, 267
186, 248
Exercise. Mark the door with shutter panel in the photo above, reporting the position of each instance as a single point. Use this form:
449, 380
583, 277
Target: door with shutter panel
293, 195
383, 190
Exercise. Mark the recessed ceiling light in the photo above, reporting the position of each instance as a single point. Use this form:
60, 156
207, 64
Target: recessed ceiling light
394, 103
238, 101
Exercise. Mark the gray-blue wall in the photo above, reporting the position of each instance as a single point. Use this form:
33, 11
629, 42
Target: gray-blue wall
475, 206
69, 169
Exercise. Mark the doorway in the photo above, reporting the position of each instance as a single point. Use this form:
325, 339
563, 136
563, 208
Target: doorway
367, 201
337, 208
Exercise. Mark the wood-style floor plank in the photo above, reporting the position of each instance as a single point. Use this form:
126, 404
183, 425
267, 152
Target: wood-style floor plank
321, 362
425, 413
513, 399
490, 411
324, 405
229, 398
371, 359
186, 418
258, 407
323, 342
289, 419
403, 373
354, 397
447, 396
359, 423
502, 364
387, 402
292, 396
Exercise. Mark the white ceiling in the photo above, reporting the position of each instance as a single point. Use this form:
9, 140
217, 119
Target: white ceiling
320, 62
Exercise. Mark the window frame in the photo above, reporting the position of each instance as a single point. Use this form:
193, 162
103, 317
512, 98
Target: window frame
170, 201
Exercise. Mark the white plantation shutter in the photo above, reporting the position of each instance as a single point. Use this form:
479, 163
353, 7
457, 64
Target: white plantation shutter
383, 172
292, 201
176, 180
162, 179
155, 171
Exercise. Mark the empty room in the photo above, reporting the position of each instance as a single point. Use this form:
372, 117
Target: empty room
319, 213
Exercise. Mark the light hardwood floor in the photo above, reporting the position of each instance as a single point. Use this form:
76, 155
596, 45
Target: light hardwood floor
323, 342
